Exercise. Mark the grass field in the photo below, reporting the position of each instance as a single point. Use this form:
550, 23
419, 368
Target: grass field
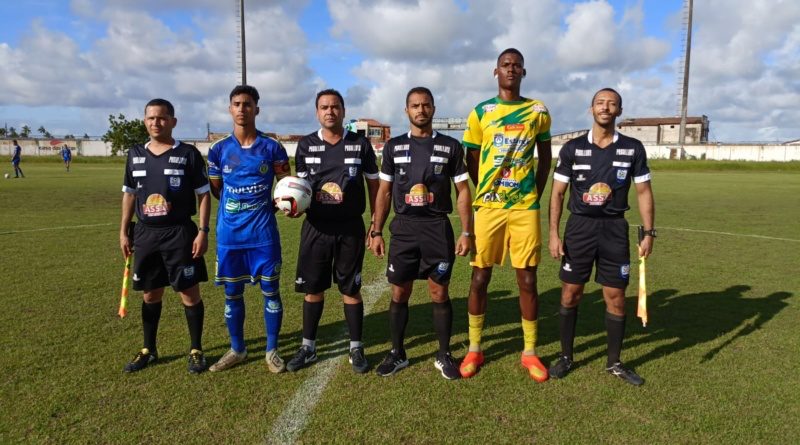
719, 354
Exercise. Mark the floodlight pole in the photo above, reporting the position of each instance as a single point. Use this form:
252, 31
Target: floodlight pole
685, 92
244, 53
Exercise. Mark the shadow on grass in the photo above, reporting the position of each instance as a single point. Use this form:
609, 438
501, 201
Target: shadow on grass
681, 321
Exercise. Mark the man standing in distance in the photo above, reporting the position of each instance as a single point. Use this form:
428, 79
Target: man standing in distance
599, 168
242, 168
66, 156
162, 178
336, 163
417, 169
501, 136
15, 160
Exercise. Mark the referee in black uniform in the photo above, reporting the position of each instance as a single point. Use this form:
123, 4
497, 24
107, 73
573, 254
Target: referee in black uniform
336, 162
599, 168
163, 178
416, 172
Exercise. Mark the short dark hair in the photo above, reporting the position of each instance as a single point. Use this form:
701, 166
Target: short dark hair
329, 92
610, 90
158, 102
510, 51
15, 141
245, 89
419, 90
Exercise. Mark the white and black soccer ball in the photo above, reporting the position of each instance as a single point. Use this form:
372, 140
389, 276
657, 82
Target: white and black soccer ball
292, 195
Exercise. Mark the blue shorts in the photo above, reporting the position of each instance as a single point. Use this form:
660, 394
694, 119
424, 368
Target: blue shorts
251, 265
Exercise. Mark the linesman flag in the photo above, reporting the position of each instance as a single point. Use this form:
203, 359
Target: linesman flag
641, 308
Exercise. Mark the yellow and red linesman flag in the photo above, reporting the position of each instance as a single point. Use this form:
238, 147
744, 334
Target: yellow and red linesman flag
641, 309
123, 297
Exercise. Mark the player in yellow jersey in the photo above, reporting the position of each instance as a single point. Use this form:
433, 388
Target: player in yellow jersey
501, 137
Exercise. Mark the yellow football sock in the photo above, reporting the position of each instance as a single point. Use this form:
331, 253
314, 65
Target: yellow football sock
475, 331
529, 328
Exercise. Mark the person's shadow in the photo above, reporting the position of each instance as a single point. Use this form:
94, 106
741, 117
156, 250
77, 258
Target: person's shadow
681, 321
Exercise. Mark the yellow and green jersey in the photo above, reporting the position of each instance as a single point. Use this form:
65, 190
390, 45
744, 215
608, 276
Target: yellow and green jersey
506, 134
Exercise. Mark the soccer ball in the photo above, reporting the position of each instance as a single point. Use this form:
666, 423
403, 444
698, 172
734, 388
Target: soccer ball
292, 195
6, 176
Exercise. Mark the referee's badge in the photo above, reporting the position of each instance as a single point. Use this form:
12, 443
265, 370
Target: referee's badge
353, 171
437, 169
622, 174
174, 182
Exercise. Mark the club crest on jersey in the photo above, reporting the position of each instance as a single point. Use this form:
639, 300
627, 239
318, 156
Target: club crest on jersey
498, 140
488, 108
539, 108
174, 182
622, 174
418, 196
598, 194
437, 169
330, 193
263, 168
155, 205
352, 171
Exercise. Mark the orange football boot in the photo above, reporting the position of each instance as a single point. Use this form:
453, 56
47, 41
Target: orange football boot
471, 364
536, 369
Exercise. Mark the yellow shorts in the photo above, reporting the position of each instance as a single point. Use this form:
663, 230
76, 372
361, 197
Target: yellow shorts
499, 232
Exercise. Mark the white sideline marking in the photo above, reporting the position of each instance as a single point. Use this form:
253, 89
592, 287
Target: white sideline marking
681, 229
731, 234
294, 417
83, 226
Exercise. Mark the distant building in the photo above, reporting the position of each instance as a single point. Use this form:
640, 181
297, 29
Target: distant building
794, 142
665, 130
563, 138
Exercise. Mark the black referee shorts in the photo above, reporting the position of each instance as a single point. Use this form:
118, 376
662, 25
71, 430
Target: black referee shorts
420, 249
163, 256
334, 252
601, 241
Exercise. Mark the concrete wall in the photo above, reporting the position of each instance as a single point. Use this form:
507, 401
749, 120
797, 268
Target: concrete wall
720, 152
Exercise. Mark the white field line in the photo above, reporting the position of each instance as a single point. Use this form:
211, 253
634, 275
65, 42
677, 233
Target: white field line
746, 235
292, 421
83, 226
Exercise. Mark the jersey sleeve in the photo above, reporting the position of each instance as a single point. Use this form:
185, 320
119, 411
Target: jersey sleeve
199, 175
387, 163
370, 166
563, 171
128, 183
543, 123
458, 170
300, 159
214, 154
473, 135
641, 172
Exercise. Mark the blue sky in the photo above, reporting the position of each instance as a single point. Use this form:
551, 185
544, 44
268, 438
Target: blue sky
69, 64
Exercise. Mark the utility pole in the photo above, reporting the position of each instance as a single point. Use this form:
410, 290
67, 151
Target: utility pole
685, 89
241, 37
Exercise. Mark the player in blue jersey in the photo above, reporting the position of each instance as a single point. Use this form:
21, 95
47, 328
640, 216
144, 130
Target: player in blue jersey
15, 160
66, 155
241, 169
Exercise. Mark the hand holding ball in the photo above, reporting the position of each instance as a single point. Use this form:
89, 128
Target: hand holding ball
292, 195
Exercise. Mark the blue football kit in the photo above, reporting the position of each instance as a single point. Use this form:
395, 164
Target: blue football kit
248, 244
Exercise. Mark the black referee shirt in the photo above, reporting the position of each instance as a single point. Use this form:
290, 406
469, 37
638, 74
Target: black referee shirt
600, 178
420, 170
336, 173
165, 185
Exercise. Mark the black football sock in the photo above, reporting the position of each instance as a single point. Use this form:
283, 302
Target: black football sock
354, 315
615, 329
194, 318
398, 319
568, 318
151, 314
443, 324
312, 313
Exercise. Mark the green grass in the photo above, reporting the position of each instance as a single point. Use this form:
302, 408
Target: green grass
719, 354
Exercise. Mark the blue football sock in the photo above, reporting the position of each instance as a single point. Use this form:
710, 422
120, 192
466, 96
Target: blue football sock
234, 318
273, 316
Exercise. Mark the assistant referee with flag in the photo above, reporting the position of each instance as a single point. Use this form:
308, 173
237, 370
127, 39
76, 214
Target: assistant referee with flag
600, 167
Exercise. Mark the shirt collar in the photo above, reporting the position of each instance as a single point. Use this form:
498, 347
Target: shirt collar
613, 140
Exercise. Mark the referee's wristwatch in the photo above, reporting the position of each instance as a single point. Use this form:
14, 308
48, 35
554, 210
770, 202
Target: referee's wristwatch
651, 232
374, 233
467, 234
205, 229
